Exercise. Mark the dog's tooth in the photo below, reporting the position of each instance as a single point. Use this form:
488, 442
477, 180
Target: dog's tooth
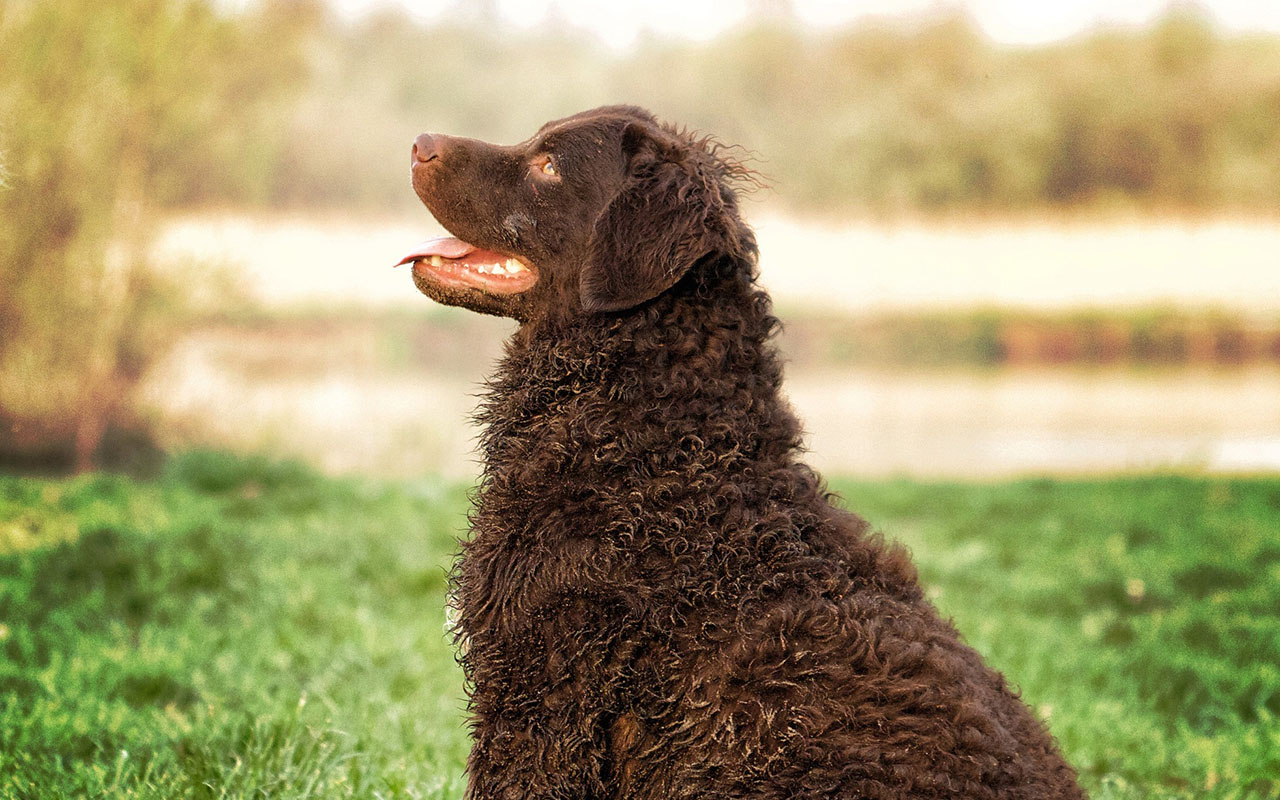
514, 266
436, 261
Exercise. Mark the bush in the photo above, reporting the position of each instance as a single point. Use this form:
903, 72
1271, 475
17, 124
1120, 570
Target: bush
106, 109
883, 117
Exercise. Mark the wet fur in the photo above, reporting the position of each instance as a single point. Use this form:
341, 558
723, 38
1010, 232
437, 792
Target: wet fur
659, 599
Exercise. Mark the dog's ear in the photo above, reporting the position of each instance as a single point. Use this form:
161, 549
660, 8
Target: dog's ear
671, 212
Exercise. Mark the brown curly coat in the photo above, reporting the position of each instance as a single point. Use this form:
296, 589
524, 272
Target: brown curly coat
660, 600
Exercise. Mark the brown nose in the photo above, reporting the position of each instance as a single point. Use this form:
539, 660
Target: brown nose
424, 148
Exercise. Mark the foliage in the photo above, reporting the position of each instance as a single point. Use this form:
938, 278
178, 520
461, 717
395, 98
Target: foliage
246, 628
884, 118
105, 111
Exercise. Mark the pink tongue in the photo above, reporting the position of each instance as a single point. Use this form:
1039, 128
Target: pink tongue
443, 246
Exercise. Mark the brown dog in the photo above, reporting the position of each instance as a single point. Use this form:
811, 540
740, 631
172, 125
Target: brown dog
659, 599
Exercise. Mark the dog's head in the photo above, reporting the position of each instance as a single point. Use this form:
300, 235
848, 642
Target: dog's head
596, 213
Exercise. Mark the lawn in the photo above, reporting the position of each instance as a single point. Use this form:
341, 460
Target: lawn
247, 628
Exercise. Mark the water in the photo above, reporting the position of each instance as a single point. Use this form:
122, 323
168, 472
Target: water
328, 400
854, 268
1019, 422
347, 417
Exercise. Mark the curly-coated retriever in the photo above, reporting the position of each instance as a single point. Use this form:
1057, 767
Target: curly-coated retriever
659, 599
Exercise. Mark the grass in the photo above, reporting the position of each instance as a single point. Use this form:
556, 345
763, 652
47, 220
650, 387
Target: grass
240, 628
234, 629
1140, 616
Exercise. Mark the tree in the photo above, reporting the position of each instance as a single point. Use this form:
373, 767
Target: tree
101, 106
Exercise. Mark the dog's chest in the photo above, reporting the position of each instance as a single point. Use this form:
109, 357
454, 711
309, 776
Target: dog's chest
518, 573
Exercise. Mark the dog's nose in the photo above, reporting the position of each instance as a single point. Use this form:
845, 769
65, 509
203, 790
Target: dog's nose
424, 148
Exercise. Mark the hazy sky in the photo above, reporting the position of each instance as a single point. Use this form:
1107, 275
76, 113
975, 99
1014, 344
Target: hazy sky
620, 22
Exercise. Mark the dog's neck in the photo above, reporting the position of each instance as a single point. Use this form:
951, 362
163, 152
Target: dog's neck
695, 368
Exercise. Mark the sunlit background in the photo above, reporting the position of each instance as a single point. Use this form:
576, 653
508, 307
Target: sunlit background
1027, 256
1006, 237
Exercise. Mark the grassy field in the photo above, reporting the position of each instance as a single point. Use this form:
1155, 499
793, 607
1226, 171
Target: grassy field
245, 628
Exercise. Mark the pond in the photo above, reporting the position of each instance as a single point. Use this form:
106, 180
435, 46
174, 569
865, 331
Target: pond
329, 399
342, 413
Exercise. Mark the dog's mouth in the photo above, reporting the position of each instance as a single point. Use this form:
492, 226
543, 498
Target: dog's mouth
456, 264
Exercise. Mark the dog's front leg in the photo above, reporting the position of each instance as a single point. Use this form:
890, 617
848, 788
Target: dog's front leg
540, 714
517, 759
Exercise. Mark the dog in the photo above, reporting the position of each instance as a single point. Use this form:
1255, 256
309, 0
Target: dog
658, 598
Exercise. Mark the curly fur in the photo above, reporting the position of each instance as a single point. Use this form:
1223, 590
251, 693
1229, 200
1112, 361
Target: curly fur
659, 599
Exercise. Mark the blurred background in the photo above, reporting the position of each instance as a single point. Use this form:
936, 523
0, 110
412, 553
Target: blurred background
1004, 238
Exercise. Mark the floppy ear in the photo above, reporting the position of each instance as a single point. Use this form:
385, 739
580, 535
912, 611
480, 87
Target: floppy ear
671, 212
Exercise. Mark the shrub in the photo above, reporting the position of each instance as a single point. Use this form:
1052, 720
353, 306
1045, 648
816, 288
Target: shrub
102, 105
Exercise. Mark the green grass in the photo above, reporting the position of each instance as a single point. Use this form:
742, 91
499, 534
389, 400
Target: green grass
1141, 616
235, 629
244, 628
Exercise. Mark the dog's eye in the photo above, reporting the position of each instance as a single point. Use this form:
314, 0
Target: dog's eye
547, 166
